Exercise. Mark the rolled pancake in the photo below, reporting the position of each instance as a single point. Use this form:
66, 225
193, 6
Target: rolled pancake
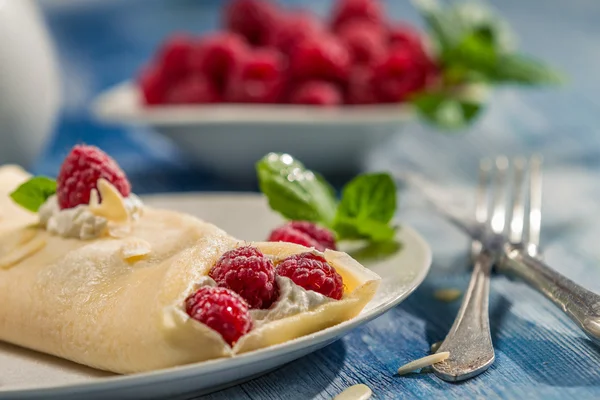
97, 303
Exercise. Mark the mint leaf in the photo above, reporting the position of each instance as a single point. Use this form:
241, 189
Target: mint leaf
446, 110
33, 193
367, 206
517, 68
294, 191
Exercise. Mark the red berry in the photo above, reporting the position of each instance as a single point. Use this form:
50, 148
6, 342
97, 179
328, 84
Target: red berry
246, 271
153, 85
258, 78
80, 172
222, 310
347, 10
216, 56
174, 55
398, 75
320, 57
318, 93
292, 28
360, 89
312, 272
305, 233
193, 89
364, 40
403, 35
252, 19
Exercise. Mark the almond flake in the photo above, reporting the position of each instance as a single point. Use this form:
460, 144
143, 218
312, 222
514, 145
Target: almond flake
423, 362
134, 249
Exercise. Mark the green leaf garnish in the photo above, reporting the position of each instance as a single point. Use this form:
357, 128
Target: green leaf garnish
294, 191
446, 110
33, 193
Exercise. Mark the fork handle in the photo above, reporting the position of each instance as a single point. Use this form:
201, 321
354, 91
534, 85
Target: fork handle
580, 304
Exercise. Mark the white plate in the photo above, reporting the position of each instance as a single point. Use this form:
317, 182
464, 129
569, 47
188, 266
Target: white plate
26, 374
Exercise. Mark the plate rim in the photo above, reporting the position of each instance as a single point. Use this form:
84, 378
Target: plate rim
189, 370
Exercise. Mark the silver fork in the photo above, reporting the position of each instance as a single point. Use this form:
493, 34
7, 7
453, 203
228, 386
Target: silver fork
469, 340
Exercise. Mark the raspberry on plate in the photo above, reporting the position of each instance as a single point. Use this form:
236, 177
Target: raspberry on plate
80, 172
258, 78
312, 272
246, 271
320, 56
305, 233
405, 35
216, 56
347, 10
193, 89
292, 28
221, 310
153, 85
365, 41
360, 88
174, 55
318, 93
252, 19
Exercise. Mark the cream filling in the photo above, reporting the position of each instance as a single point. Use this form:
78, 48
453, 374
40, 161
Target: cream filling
92, 220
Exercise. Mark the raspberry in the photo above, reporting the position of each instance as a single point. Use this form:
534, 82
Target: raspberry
347, 10
174, 55
249, 273
259, 78
360, 89
152, 85
364, 40
222, 310
403, 35
319, 93
292, 28
216, 56
194, 89
304, 233
252, 19
399, 74
312, 272
80, 172
320, 57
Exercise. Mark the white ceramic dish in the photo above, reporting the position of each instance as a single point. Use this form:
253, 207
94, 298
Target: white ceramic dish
26, 374
230, 138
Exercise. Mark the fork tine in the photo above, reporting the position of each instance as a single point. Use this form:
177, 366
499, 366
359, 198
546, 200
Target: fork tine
481, 200
535, 205
498, 220
516, 226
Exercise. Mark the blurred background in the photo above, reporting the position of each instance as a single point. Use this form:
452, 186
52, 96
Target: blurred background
57, 56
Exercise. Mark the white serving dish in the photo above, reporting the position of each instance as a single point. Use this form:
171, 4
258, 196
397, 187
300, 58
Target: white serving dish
26, 374
229, 139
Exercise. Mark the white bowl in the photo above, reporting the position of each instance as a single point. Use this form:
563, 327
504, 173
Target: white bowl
230, 138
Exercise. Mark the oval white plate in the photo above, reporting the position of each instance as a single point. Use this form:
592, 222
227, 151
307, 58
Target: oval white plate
26, 374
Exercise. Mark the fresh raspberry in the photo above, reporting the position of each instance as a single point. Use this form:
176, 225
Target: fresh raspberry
318, 93
246, 271
360, 89
193, 89
347, 10
252, 19
216, 56
292, 28
222, 310
174, 54
80, 172
304, 233
320, 57
259, 78
312, 272
364, 40
404, 35
153, 85
401, 73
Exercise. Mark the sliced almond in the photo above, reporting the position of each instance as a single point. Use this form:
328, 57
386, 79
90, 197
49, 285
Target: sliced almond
356, 392
423, 362
135, 248
112, 207
20, 253
447, 295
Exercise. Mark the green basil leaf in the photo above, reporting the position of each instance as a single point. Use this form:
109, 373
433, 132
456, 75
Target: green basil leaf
446, 109
33, 193
368, 204
294, 191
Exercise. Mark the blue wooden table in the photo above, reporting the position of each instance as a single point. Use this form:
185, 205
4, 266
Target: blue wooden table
540, 354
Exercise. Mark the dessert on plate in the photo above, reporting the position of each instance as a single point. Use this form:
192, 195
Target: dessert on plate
92, 275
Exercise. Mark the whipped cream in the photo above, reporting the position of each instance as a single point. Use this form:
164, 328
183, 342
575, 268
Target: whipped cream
80, 222
293, 299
